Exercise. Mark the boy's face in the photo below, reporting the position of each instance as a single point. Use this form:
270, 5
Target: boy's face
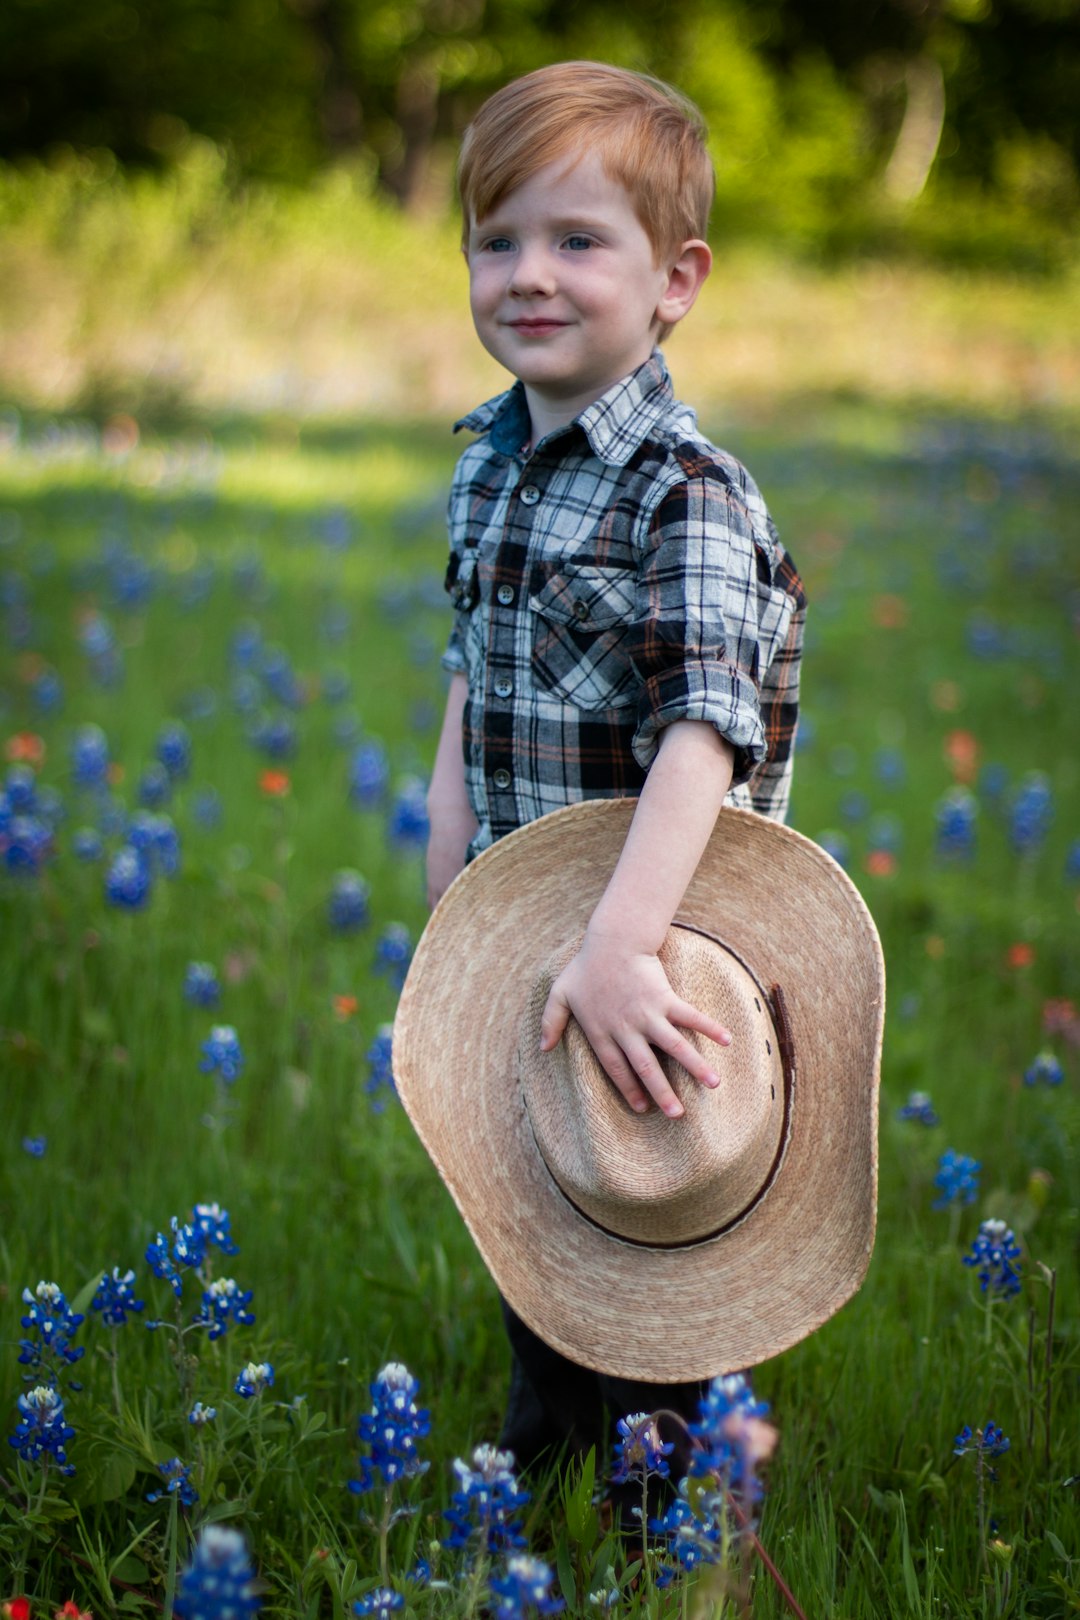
564, 287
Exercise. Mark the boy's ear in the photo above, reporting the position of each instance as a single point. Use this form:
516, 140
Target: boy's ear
685, 280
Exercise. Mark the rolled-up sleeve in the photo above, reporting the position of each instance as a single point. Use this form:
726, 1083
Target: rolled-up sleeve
694, 638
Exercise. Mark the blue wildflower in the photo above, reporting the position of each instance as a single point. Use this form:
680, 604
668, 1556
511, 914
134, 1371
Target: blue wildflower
155, 787
391, 1431
957, 1179
276, 736
26, 843
408, 826
48, 691
128, 880
44, 1431
246, 644
213, 1222
525, 1589
201, 1415
639, 1450
201, 985
836, 844
955, 825
256, 1376
89, 757
206, 807
393, 953
982, 1443
379, 1057
20, 786
485, 1509
1046, 1068
87, 844
347, 908
381, 1602
245, 693
918, 1108
219, 1582
224, 1302
170, 1259
115, 1297
173, 750
222, 1054
36, 1146
53, 1324
993, 1251
177, 1477
280, 678
1031, 813
369, 775
157, 841
693, 1539
335, 686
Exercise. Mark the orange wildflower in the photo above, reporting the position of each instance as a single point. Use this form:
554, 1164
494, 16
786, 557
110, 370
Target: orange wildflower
26, 746
881, 863
275, 784
115, 773
890, 612
17, 1608
1020, 954
962, 754
345, 1006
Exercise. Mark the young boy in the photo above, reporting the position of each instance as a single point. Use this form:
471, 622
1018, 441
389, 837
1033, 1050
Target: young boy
627, 621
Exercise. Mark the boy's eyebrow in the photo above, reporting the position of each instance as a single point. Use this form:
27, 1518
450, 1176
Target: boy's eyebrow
565, 222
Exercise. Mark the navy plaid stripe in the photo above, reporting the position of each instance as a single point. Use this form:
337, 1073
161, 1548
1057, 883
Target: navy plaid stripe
623, 575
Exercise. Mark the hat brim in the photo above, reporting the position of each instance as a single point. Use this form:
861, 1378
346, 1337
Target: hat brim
659, 1315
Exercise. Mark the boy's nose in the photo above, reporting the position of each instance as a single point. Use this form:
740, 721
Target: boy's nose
533, 275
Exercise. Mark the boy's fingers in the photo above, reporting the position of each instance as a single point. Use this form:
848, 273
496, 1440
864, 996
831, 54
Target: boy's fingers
647, 1068
553, 1020
622, 1077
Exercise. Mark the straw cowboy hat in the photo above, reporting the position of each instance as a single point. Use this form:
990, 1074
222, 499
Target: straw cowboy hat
649, 1248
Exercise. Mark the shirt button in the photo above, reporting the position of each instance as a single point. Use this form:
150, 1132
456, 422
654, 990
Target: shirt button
505, 594
503, 686
581, 609
530, 495
501, 778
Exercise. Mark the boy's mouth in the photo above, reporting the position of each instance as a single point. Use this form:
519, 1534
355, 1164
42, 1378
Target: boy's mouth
536, 327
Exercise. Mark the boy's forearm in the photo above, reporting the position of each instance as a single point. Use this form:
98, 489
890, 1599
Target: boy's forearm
676, 813
446, 790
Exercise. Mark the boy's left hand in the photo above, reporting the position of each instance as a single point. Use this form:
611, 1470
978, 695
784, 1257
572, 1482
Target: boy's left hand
626, 1007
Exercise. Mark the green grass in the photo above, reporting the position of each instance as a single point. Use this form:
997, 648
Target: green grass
911, 533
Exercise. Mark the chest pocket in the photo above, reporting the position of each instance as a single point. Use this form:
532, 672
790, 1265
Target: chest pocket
581, 617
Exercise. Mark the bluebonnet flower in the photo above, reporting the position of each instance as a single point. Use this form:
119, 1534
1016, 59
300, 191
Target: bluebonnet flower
206, 807
525, 1589
246, 644
369, 774
20, 787
219, 1583
347, 908
115, 1297
201, 1415
256, 1376
335, 527
170, 1259
379, 1057
837, 845
1046, 1068
48, 691
639, 1449
224, 1302
276, 736
393, 953
36, 1146
854, 806
408, 825
50, 808
381, 1602
889, 766
177, 1477
955, 825
485, 1509
44, 1431
213, 1222
155, 787
87, 844
919, 1108
201, 985
993, 1251
53, 1324
731, 1437
173, 750
280, 678
245, 693
128, 880
26, 843
156, 839
221, 1053
692, 1538
981, 1443
1031, 813
391, 1431
957, 1179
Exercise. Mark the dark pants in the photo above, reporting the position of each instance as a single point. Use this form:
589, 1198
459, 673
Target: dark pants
557, 1409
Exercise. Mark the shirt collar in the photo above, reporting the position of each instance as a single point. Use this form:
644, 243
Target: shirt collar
615, 425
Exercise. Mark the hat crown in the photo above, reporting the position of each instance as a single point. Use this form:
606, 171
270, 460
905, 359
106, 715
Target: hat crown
643, 1177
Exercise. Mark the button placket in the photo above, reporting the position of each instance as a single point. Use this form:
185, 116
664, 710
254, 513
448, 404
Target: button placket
530, 495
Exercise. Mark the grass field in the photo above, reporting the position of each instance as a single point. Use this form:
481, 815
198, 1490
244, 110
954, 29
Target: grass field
273, 586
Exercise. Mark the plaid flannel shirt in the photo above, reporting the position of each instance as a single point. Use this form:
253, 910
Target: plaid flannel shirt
623, 575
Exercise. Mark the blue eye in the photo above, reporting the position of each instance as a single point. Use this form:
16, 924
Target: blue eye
499, 244
578, 244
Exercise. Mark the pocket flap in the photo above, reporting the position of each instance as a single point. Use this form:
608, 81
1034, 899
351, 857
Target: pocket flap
590, 598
